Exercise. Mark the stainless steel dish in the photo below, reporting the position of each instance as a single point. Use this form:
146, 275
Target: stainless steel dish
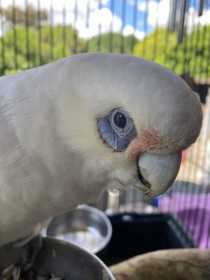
70, 262
84, 226
60, 259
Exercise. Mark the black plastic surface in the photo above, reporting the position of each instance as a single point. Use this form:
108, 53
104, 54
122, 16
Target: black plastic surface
135, 234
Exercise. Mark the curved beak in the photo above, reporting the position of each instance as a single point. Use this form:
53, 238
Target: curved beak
157, 172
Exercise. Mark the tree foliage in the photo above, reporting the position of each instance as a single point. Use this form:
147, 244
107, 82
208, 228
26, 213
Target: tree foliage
157, 46
22, 48
112, 42
192, 56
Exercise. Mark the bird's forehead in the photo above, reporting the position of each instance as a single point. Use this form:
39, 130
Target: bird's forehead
127, 79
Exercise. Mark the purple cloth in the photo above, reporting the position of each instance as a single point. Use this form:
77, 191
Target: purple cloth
193, 211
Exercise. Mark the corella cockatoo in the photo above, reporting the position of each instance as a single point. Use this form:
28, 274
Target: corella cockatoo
72, 128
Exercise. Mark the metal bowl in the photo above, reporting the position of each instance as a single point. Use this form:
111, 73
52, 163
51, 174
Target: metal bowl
60, 259
68, 261
85, 226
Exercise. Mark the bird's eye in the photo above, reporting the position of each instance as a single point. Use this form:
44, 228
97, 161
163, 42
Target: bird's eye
120, 120
117, 129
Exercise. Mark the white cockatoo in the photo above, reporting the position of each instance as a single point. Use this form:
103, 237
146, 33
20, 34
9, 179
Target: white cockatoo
75, 127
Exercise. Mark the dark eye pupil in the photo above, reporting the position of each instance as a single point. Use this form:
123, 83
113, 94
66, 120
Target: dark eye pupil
120, 120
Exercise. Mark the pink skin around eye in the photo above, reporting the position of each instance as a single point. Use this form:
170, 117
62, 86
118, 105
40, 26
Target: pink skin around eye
148, 140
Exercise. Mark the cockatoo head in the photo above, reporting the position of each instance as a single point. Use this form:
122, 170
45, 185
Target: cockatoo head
80, 125
129, 120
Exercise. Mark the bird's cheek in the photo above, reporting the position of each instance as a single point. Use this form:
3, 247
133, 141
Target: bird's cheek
148, 140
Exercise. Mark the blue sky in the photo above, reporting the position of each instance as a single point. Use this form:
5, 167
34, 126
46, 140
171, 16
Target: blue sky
141, 9
133, 16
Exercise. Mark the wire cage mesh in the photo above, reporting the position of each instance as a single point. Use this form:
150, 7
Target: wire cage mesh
174, 33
